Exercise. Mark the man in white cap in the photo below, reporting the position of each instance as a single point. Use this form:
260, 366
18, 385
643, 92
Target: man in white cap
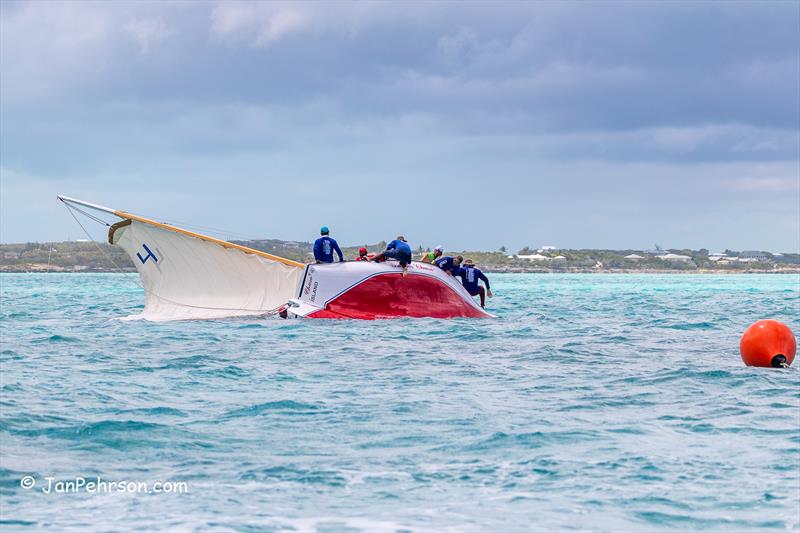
430, 257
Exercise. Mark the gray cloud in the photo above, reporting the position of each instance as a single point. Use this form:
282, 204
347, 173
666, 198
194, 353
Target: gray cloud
519, 105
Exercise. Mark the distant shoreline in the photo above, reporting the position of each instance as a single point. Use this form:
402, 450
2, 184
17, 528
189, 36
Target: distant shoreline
502, 270
487, 270
101, 257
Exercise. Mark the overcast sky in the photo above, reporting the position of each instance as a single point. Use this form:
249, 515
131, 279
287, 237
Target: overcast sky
473, 125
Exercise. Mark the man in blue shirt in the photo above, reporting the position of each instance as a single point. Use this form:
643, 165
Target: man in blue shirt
325, 246
469, 278
397, 249
449, 264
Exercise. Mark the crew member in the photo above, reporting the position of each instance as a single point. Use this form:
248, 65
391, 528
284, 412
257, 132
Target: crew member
325, 246
469, 278
430, 257
397, 249
362, 254
449, 264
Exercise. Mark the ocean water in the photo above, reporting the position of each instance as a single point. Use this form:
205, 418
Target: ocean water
594, 402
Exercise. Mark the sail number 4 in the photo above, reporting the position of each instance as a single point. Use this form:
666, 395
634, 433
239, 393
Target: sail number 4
148, 256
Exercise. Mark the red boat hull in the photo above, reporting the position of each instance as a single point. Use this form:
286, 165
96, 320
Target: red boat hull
393, 296
370, 291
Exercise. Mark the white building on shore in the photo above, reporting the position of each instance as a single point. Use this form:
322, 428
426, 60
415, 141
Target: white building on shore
754, 255
675, 258
533, 257
718, 256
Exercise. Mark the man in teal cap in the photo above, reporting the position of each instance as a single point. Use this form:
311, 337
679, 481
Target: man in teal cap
325, 246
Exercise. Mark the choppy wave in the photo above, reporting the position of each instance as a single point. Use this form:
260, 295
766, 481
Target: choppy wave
594, 402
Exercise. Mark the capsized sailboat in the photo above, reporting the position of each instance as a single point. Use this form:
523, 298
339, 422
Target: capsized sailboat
188, 275
365, 290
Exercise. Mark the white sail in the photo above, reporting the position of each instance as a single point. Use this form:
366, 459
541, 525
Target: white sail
187, 275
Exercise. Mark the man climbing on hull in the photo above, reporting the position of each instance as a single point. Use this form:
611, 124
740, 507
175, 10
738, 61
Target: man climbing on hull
470, 275
397, 249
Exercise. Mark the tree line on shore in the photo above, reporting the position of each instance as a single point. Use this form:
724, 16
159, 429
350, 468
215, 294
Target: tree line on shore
90, 256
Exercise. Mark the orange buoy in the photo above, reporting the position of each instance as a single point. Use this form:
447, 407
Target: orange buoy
768, 343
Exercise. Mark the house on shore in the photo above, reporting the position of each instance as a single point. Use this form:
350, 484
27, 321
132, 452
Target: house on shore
675, 258
534, 257
719, 256
752, 256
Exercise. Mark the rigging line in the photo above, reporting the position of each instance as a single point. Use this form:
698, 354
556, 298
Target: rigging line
255, 312
88, 215
224, 234
102, 252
